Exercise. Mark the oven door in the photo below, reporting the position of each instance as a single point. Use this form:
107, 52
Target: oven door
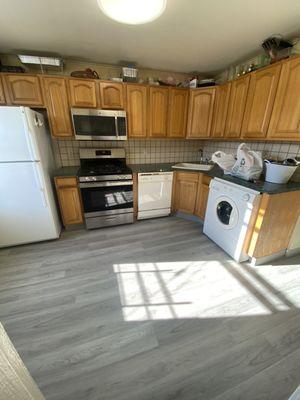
92, 124
106, 198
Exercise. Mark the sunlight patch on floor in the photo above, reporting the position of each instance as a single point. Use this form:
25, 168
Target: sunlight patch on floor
197, 289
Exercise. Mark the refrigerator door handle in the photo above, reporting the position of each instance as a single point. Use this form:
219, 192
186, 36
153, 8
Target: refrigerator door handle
39, 183
29, 134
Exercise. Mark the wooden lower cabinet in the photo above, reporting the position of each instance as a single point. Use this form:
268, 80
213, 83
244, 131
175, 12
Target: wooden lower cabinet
277, 216
202, 195
69, 200
190, 193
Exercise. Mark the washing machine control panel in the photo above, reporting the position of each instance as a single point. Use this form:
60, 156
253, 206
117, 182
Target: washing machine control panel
246, 197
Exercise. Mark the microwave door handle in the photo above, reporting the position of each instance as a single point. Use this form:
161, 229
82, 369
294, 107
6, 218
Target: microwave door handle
116, 127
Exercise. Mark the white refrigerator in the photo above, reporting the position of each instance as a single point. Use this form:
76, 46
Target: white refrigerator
28, 210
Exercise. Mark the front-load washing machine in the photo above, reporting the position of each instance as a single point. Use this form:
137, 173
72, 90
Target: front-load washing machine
228, 215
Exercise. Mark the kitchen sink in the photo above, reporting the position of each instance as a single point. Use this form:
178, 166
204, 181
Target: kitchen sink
193, 166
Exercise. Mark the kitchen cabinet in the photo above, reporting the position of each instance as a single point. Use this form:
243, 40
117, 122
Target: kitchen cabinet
220, 110
83, 93
23, 89
260, 101
69, 200
158, 111
236, 107
137, 110
185, 191
178, 108
285, 118
200, 113
202, 195
56, 97
277, 216
2, 95
112, 95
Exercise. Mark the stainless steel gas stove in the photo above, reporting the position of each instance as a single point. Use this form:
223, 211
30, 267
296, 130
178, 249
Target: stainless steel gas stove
106, 187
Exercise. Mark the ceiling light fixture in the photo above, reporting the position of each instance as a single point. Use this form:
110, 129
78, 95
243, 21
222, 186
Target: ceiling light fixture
41, 60
133, 12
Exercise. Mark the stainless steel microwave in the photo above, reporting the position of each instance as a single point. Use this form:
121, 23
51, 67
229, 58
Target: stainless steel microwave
90, 124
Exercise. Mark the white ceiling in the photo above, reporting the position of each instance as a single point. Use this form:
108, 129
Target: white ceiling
202, 35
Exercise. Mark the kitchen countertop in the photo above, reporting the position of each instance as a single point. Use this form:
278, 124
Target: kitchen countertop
259, 185
66, 171
216, 172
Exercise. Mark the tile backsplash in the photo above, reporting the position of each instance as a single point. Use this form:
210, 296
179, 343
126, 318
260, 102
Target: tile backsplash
164, 150
66, 152
275, 150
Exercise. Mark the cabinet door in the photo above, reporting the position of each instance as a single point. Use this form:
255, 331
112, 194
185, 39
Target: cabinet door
185, 192
200, 113
220, 110
260, 101
112, 95
202, 196
56, 97
178, 105
158, 113
137, 110
285, 118
236, 107
23, 89
2, 95
83, 93
69, 201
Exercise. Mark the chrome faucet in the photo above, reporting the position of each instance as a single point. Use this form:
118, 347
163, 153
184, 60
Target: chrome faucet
200, 151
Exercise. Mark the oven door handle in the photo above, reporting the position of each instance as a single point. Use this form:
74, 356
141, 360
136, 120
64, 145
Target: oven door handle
84, 185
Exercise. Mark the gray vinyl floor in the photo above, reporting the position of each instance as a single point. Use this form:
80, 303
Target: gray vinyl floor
153, 310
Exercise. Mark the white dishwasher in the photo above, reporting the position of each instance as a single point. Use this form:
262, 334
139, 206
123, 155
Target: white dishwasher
154, 194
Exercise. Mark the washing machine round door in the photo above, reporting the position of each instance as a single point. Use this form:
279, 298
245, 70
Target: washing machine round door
226, 212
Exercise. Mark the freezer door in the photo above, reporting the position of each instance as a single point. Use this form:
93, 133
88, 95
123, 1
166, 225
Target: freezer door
15, 141
25, 213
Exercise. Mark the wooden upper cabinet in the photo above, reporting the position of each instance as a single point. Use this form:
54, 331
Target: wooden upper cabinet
220, 110
185, 191
236, 107
23, 89
200, 113
2, 95
260, 101
158, 111
112, 95
56, 97
285, 118
83, 93
178, 107
137, 110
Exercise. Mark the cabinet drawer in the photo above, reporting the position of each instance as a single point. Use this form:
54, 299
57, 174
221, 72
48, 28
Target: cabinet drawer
66, 182
188, 176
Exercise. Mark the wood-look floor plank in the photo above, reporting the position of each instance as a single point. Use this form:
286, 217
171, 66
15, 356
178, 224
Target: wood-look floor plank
153, 310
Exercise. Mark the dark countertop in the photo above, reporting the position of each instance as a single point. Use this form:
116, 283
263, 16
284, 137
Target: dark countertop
216, 172
66, 171
260, 185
